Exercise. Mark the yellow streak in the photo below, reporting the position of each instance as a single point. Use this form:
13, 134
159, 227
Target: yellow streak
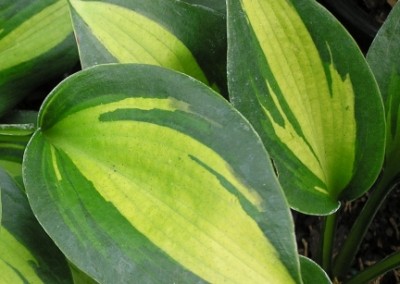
133, 38
326, 119
17, 256
178, 208
36, 36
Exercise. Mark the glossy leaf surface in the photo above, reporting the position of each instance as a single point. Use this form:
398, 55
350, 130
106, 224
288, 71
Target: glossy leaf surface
152, 175
27, 255
306, 88
32, 35
173, 34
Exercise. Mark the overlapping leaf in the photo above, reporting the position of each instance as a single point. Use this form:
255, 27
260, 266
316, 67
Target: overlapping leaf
32, 35
306, 88
150, 174
169, 33
15, 132
385, 63
27, 255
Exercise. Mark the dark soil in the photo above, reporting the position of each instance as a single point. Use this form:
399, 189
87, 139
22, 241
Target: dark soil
382, 238
362, 18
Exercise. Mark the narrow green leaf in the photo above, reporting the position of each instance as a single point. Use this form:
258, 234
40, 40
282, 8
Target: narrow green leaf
149, 175
171, 34
385, 63
309, 93
217, 5
27, 255
32, 35
17, 129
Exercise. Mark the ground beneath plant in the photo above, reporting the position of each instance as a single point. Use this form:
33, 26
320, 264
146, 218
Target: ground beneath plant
382, 238
377, 9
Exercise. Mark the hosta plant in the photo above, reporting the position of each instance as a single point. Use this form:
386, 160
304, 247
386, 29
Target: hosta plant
193, 129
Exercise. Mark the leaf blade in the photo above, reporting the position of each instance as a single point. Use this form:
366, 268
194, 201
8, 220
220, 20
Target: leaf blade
180, 181
307, 111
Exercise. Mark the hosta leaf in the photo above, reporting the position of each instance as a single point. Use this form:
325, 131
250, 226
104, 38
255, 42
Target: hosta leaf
187, 38
32, 35
385, 63
27, 255
138, 172
305, 86
15, 132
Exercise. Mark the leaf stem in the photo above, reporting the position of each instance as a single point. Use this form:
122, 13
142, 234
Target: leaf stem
352, 243
377, 269
328, 233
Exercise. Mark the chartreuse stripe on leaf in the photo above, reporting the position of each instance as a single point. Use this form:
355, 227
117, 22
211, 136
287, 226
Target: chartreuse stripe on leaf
16, 269
305, 99
33, 35
15, 132
157, 178
131, 37
27, 255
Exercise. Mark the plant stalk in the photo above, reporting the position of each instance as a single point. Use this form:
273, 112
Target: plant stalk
377, 269
327, 240
352, 243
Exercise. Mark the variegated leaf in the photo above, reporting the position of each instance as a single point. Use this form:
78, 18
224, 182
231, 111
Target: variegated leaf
32, 35
143, 174
15, 132
305, 86
169, 33
27, 255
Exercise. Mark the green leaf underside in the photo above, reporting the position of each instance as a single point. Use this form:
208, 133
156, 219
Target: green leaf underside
300, 96
31, 38
385, 64
26, 253
140, 154
312, 272
393, 118
133, 38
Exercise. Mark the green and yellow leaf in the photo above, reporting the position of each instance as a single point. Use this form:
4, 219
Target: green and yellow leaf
15, 132
172, 34
153, 176
27, 255
32, 35
309, 99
